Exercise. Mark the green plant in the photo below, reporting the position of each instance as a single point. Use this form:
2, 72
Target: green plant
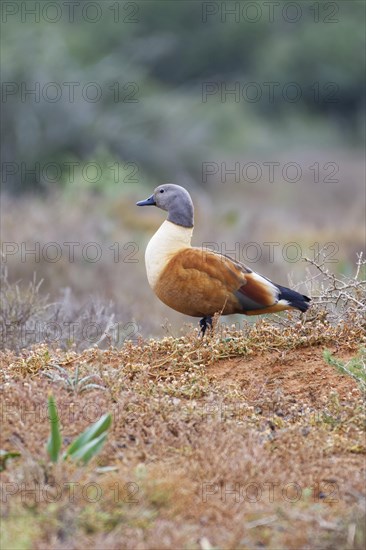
54, 441
84, 447
356, 367
73, 382
4, 456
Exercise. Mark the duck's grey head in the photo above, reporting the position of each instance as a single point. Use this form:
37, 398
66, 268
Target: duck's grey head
175, 200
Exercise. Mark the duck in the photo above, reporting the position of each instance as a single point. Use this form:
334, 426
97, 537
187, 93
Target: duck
201, 283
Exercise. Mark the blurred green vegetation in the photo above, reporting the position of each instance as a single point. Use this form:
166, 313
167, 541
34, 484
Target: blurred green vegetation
161, 54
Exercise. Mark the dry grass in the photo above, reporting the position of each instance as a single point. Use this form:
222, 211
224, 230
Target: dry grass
241, 440
342, 297
27, 317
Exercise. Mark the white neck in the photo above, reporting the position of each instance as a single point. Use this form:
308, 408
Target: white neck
168, 239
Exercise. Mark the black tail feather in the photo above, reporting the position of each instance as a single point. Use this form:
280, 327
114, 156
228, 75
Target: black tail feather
295, 299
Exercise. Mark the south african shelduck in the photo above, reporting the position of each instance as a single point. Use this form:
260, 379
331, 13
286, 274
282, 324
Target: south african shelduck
201, 283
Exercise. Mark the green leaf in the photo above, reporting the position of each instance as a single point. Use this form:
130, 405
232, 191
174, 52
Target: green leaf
54, 441
90, 449
91, 433
4, 455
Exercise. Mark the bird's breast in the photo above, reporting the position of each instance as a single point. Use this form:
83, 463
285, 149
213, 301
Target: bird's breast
167, 241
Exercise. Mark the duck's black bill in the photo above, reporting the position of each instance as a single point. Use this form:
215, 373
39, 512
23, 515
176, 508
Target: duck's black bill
148, 202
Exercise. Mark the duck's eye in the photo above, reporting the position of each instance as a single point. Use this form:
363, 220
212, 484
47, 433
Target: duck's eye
161, 190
